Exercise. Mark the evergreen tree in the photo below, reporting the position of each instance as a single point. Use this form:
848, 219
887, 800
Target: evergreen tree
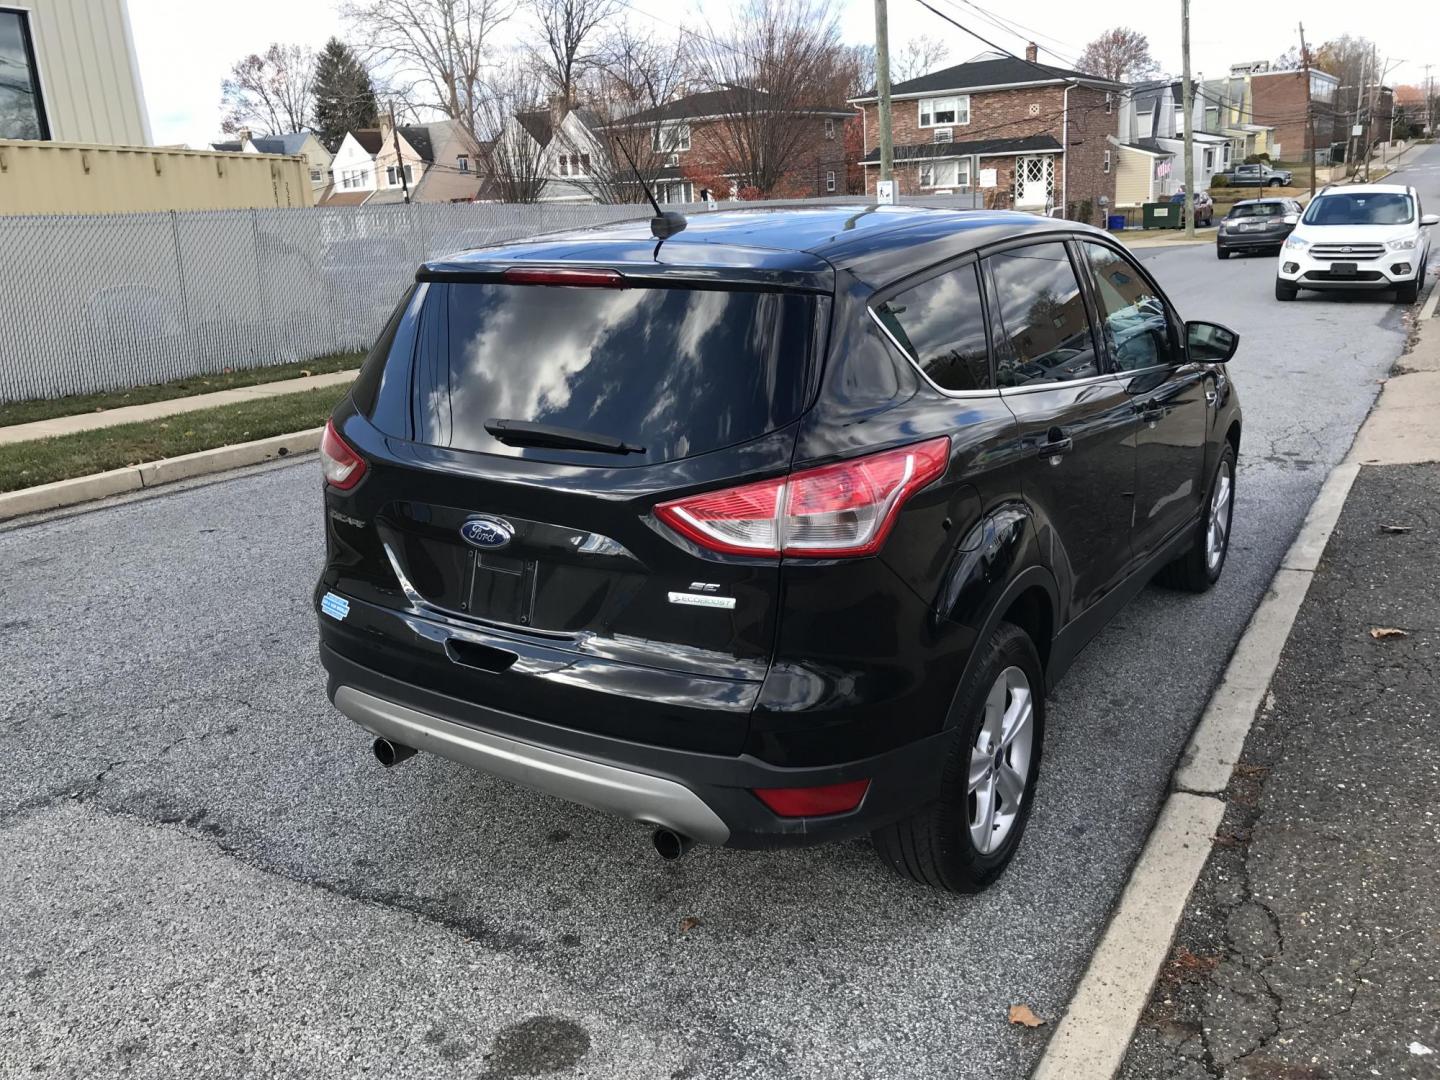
344, 94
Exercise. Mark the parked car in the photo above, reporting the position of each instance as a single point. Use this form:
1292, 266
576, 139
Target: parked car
1257, 225
1204, 207
1366, 236
776, 532
1259, 175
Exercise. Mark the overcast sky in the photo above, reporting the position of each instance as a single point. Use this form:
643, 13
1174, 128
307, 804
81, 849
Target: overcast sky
186, 48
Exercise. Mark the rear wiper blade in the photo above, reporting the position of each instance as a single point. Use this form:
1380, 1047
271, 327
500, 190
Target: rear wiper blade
524, 433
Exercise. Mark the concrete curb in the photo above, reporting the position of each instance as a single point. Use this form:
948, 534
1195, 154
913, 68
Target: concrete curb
154, 474
1092, 1038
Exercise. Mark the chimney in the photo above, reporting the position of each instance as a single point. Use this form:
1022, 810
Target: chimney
243, 135
559, 107
1032, 52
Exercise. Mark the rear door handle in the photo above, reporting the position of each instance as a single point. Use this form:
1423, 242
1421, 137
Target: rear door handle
1059, 443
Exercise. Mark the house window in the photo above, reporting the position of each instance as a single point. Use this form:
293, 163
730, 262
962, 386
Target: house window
1109, 103
1107, 161
1321, 89
409, 176
352, 178
564, 164
1209, 160
945, 174
316, 175
829, 129
947, 110
670, 137
1212, 117
392, 175
462, 162
682, 191
830, 180
22, 108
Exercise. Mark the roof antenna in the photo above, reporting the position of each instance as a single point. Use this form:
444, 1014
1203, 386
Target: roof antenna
665, 223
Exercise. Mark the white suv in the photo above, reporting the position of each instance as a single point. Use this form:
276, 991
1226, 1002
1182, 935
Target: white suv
1365, 236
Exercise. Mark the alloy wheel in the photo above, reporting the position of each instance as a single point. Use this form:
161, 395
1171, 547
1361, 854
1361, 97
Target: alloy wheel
1219, 529
1000, 760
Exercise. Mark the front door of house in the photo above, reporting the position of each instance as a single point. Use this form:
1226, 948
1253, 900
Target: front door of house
1034, 182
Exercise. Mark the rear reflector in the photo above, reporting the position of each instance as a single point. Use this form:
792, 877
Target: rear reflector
836, 511
814, 801
342, 466
564, 275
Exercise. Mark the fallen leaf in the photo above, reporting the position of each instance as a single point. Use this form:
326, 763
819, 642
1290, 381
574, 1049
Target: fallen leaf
1380, 633
688, 923
1396, 528
1023, 1014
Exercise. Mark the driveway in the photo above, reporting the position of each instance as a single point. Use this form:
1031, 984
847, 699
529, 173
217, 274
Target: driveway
208, 875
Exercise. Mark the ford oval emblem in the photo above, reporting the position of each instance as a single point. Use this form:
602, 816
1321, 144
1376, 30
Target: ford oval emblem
487, 532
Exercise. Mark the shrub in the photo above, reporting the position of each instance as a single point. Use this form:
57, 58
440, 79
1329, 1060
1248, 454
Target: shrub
1219, 180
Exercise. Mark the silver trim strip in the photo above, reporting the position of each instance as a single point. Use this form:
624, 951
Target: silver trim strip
635, 795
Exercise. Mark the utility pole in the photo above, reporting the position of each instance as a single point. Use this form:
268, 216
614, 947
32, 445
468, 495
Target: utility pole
1429, 103
1187, 95
882, 89
1352, 166
399, 161
1309, 107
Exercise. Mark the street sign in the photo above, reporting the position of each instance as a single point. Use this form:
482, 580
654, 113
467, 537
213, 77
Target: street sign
885, 191
1358, 129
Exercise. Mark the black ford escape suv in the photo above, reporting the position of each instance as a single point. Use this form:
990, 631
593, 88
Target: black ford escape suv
774, 532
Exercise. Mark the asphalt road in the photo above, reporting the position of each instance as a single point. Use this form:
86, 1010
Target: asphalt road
208, 875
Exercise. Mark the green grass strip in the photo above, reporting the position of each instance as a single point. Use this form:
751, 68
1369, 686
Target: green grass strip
24, 412
42, 461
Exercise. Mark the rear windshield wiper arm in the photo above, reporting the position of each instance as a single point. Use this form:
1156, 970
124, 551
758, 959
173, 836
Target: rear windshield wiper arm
524, 433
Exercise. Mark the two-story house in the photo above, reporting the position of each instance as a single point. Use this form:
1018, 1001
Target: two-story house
1278, 99
1229, 111
1150, 147
1022, 133
703, 139
353, 168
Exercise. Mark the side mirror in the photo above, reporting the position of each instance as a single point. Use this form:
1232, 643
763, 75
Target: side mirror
1210, 343
1430, 219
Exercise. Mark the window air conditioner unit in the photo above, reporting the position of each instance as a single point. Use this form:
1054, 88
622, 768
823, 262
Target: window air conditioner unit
944, 135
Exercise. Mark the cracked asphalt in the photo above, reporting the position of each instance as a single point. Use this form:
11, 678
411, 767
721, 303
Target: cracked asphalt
207, 874
1310, 948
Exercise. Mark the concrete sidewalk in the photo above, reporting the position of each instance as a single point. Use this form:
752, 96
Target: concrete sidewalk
1308, 948
156, 410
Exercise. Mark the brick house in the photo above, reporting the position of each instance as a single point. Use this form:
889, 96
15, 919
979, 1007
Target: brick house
698, 133
1277, 99
1023, 134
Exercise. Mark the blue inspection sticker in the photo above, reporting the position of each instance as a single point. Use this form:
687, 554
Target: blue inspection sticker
337, 607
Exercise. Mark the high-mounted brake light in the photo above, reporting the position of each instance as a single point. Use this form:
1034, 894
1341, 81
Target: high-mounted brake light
814, 801
843, 510
342, 466
564, 275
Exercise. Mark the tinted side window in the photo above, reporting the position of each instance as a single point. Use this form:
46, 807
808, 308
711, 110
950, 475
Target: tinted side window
1042, 311
1133, 320
941, 324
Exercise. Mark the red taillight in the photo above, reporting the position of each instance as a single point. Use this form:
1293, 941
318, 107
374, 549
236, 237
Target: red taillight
836, 511
814, 801
342, 466
564, 275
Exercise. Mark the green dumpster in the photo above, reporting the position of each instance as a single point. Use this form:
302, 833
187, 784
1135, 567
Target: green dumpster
1163, 215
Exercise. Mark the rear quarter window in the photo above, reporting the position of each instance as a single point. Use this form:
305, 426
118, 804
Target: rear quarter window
941, 324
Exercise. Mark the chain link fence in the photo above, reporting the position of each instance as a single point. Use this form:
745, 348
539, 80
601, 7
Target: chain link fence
95, 302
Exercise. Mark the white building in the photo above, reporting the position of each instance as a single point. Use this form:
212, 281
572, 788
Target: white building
70, 73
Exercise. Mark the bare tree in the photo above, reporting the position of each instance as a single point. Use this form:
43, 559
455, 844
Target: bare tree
778, 63
638, 72
517, 132
1120, 54
269, 93
569, 45
917, 56
438, 49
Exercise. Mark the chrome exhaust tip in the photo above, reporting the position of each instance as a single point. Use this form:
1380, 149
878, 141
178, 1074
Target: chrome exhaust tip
389, 753
672, 845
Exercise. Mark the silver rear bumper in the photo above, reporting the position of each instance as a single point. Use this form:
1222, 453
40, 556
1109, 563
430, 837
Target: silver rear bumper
636, 795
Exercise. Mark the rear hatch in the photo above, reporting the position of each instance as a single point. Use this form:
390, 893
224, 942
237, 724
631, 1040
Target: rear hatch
545, 413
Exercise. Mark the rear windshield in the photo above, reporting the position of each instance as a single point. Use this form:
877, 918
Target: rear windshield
1264, 209
676, 371
1361, 208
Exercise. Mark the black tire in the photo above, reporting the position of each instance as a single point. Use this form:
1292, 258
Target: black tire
934, 846
1221, 253
1285, 291
1407, 292
1192, 571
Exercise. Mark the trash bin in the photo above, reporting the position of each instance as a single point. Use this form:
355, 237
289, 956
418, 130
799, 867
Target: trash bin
1115, 222
1163, 215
